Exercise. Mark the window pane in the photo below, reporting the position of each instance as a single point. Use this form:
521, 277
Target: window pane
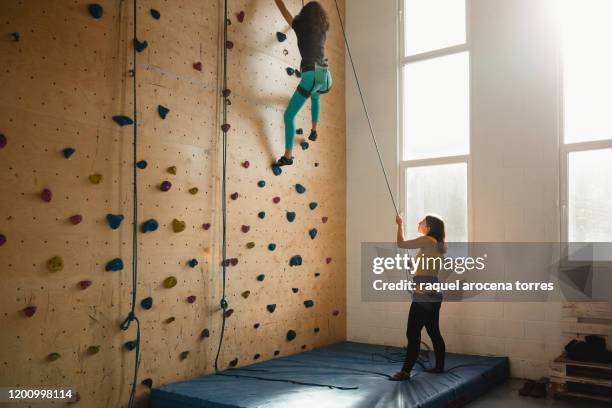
587, 68
436, 107
433, 24
590, 196
439, 190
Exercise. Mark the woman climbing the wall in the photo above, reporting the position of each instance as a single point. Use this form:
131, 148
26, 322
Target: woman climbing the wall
310, 26
425, 307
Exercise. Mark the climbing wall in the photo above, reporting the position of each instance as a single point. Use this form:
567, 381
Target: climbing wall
66, 153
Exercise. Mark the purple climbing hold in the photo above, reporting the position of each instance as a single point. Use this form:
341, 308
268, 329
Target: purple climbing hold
312, 233
276, 200
46, 195
295, 260
147, 303
229, 45
2, 141
191, 299
165, 185
229, 312
281, 36
206, 226
114, 265
142, 164
234, 196
246, 164
95, 10
240, 16
277, 170
261, 277
291, 334
245, 228
122, 120
226, 92
271, 308
29, 311
76, 219
114, 220
300, 188
308, 303
290, 71
205, 334
197, 66
193, 263
290, 216
233, 261
304, 145
140, 46
68, 152
225, 127
84, 284
149, 226
2, 239
155, 14
162, 111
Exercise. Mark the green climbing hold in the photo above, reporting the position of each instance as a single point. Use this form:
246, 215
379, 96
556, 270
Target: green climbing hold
172, 170
178, 226
250, 245
194, 190
170, 282
53, 356
184, 355
55, 264
96, 178
246, 294
91, 350
170, 320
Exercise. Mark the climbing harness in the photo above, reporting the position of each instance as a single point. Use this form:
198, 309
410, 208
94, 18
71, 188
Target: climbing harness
321, 78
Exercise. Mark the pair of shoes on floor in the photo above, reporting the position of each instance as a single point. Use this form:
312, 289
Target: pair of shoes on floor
536, 389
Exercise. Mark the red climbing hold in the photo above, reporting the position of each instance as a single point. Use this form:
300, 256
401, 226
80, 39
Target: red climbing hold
229, 312
225, 127
226, 92
206, 226
46, 195
240, 16
229, 45
276, 200
29, 311
246, 164
84, 284
2, 141
328, 260
245, 228
2, 239
76, 219
197, 66
234, 196
336, 312
324, 219
191, 299
234, 261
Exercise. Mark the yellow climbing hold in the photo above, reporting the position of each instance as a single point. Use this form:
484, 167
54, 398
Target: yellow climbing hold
53, 356
55, 264
91, 350
250, 245
96, 178
178, 226
194, 190
170, 319
246, 294
172, 170
170, 282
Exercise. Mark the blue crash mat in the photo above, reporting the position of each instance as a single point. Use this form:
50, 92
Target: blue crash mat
358, 374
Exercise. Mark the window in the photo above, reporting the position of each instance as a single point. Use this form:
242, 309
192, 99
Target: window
435, 113
586, 97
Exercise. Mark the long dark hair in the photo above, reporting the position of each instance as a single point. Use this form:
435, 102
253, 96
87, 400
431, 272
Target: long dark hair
436, 231
313, 16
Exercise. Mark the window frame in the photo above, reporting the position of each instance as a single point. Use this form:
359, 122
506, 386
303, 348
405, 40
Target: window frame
404, 165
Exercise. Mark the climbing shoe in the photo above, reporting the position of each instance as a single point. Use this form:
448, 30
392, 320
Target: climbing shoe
283, 161
313, 135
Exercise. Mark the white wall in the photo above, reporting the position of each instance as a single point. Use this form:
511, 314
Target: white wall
515, 170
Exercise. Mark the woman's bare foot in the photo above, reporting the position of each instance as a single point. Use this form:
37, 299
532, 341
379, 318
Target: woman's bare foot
400, 376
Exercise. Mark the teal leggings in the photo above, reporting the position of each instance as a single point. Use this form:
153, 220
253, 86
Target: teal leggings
298, 100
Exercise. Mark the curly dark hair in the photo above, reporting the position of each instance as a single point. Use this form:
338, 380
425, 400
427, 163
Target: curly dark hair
313, 16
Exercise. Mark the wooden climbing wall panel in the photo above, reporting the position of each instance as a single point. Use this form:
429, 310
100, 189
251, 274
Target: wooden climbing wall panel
64, 74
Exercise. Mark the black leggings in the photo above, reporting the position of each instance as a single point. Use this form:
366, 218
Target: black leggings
424, 314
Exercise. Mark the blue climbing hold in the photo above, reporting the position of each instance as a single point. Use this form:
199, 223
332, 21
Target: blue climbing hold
312, 233
193, 263
295, 290
142, 164
130, 345
140, 46
304, 145
281, 36
261, 277
271, 247
261, 215
114, 265
122, 120
291, 334
163, 111
300, 188
295, 260
114, 220
313, 205
95, 10
271, 308
308, 303
290, 216
147, 303
299, 131
261, 183
69, 151
155, 14
149, 226
290, 71
277, 170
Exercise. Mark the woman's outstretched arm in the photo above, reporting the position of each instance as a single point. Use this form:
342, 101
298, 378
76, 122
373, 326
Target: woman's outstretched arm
419, 242
283, 9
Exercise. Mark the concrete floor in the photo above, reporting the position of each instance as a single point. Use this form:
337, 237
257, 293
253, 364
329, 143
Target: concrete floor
506, 396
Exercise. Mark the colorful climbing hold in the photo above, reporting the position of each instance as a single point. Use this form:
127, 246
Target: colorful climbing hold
245, 228
53, 356
140, 46
290, 71
317, 274
295, 260
114, 220
308, 303
336, 312
313, 205
178, 226
171, 170
250, 245
285, 52
228, 313
142, 164
316, 329
246, 164
233, 363
290, 216
271, 308
234, 196
304, 145
95, 10
193, 262
240, 16
165, 185
76, 219
261, 277
328, 260
197, 66
303, 347
277, 170
324, 219
261, 214
170, 282
114, 265
295, 290
300, 188
123, 120
155, 14
147, 303
256, 356
2, 239
225, 127
299, 131
312, 233
261, 183
68, 152
15, 36
205, 334
147, 382
184, 355
229, 45
246, 294
46, 195
55, 264
298, 73
226, 92
256, 326
281, 36
291, 334
149, 225
162, 111
316, 164
96, 178
206, 226
84, 284
276, 352
193, 190
276, 200
130, 345
234, 261
313, 137
271, 247
91, 350
29, 311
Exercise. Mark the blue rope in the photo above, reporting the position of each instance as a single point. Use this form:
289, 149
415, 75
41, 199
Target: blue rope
132, 315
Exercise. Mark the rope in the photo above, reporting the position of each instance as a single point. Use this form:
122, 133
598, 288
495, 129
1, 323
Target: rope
132, 315
330, 386
348, 49
223, 189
